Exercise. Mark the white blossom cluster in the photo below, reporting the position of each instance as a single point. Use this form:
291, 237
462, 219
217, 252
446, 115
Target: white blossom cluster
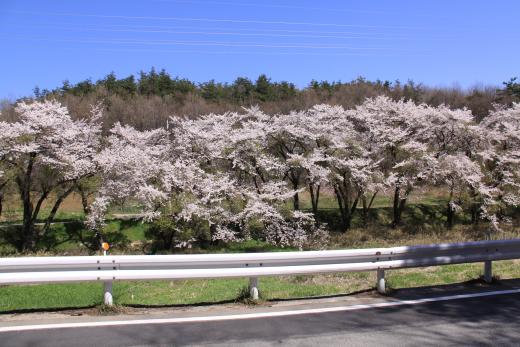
239, 170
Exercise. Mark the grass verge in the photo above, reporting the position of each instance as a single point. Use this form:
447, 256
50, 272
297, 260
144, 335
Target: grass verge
194, 292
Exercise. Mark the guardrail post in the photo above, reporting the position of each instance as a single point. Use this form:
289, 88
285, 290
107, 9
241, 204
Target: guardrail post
107, 298
381, 285
488, 272
253, 288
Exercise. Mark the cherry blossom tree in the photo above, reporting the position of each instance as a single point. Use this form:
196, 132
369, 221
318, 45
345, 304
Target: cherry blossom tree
323, 122
291, 140
47, 153
455, 141
242, 144
133, 165
502, 157
203, 166
394, 131
461, 175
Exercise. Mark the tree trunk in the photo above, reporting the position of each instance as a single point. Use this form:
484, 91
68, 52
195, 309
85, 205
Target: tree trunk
474, 214
346, 207
295, 180
450, 211
399, 205
296, 202
84, 200
2, 196
372, 199
315, 197
345, 218
397, 217
475, 209
55, 208
450, 214
257, 187
212, 230
24, 186
367, 205
402, 204
29, 243
354, 205
364, 214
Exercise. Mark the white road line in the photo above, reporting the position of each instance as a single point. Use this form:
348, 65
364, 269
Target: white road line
254, 315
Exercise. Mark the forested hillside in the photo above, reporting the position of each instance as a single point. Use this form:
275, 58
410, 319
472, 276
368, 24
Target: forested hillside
146, 101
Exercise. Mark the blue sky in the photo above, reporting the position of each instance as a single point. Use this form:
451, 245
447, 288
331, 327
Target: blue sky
437, 42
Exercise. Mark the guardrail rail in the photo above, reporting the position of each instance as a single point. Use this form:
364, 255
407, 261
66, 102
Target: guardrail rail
26, 270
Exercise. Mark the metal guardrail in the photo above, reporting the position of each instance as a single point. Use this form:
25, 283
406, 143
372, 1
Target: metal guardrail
253, 265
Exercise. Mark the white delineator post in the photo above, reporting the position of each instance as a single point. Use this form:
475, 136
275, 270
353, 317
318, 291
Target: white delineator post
381, 285
253, 288
107, 286
107, 298
488, 271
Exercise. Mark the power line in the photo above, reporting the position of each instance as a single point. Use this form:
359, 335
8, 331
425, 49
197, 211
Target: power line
323, 8
234, 33
237, 21
275, 53
208, 43
246, 29
134, 26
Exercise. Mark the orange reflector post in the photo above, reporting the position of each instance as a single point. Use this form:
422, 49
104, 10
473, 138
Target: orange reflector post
105, 246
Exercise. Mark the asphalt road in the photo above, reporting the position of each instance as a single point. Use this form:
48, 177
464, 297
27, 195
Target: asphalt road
484, 321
